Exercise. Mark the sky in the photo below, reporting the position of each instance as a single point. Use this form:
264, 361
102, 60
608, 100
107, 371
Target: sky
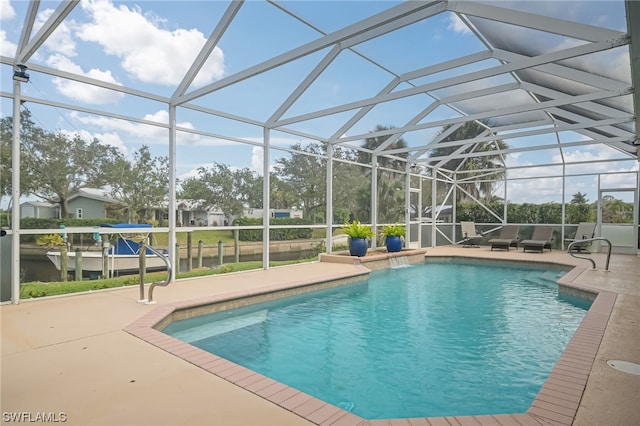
149, 46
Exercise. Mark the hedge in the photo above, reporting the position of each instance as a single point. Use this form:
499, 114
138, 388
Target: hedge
39, 223
274, 234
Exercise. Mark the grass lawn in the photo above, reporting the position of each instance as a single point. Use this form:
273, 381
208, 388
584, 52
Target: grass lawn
212, 237
39, 289
207, 237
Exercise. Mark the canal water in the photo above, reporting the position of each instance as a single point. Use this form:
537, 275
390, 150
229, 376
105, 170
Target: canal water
39, 268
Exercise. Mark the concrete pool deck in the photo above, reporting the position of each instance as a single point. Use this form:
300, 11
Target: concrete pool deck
71, 357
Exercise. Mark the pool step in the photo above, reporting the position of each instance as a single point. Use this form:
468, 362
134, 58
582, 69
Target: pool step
547, 278
211, 329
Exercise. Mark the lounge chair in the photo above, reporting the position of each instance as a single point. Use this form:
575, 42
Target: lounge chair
585, 231
508, 238
540, 240
470, 236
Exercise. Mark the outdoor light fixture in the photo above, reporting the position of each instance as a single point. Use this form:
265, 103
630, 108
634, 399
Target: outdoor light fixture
20, 74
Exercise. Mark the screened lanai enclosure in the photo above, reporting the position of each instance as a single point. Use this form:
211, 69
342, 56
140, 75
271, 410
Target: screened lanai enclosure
279, 121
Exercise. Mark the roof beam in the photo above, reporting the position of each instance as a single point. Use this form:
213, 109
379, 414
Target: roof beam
404, 10
91, 81
593, 107
531, 132
527, 148
208, 47
633, 17
56, 18
566, 100
304, 85
445, 101
563, 71
444, 66
534, 21
29, 20
464, 78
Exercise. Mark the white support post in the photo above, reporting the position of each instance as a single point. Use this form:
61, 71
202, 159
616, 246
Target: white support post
15, 197
506, 201
266, 202
564, 204
454, 210
636, 209
374, 196
329, 200
171, 207
420, 213
407, 204
434, 195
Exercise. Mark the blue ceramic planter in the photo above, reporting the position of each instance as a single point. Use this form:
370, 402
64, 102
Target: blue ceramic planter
358, 247
394, 244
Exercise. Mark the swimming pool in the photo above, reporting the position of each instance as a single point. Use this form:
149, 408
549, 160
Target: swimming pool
431, 340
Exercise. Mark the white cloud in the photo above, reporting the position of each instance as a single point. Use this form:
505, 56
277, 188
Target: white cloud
6, 10
621, 178
85, 93
456, 25
6, 47
148, 134
536, 190
257, 156
108, 139
149, 53
60, 41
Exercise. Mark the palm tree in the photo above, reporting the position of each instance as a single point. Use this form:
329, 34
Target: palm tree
390, 184
374, 142
487, 168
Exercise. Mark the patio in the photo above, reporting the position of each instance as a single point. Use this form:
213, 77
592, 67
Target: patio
71, 355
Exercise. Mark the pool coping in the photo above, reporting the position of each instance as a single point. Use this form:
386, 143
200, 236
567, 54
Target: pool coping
557, 401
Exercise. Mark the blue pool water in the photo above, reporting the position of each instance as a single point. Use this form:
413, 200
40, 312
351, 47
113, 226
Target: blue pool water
433, 339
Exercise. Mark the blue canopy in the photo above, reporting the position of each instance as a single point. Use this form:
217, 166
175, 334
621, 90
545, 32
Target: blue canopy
123, 245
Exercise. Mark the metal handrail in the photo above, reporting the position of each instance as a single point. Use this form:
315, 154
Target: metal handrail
169, 273
593, 263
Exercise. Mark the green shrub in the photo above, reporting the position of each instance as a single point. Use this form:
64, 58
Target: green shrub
274, 234
39, 223
50, 241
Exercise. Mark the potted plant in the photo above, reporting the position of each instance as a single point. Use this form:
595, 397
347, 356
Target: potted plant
359, 234
393, 237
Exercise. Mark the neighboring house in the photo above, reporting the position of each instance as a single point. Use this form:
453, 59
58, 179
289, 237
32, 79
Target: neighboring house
39, 210
86, 203
91, 203
275, 213
189, 213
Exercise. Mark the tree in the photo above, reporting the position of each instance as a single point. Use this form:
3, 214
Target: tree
579, 198
53, 165
489, 168
221, 187
28, 132
304, 174
140, 184
375, 142
578, 210
282, 197
616, 211
390, 183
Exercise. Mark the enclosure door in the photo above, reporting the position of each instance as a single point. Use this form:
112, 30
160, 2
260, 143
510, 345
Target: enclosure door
617, 219
415, 217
